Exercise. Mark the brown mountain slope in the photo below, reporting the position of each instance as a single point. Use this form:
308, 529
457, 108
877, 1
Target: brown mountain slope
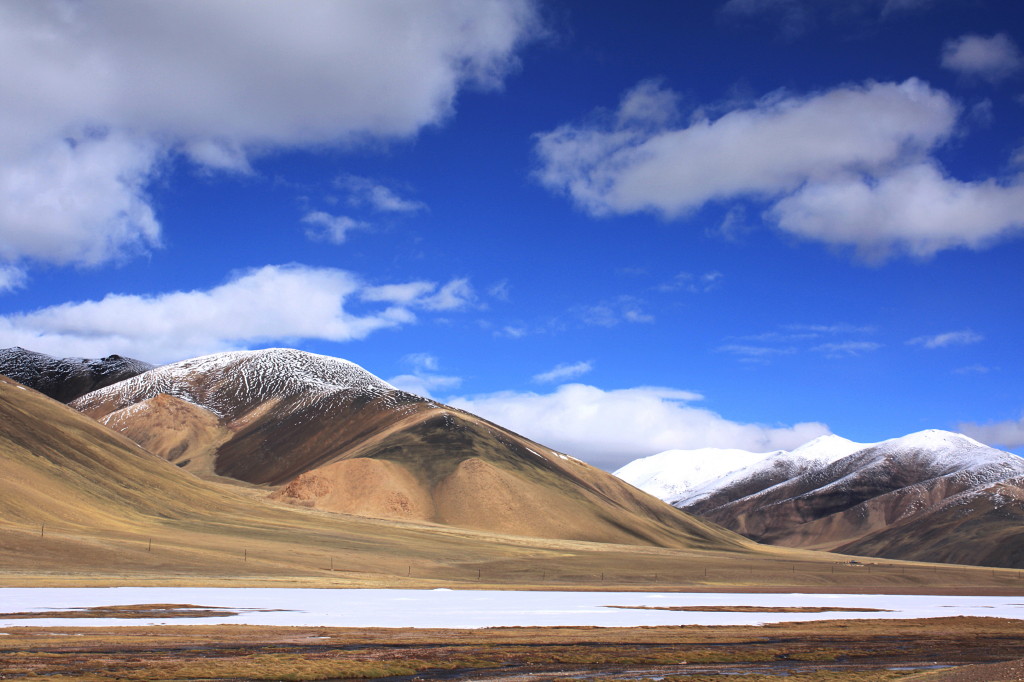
324, 433
77, 498
983, 526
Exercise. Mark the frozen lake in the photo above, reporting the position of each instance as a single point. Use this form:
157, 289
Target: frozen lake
475, 609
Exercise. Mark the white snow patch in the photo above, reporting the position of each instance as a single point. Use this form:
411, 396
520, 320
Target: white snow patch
476, 609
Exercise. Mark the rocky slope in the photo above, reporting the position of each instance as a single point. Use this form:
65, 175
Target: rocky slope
324, 433
65, 379
931, 495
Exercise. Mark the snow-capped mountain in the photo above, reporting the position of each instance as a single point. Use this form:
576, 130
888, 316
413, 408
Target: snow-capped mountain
65, 379
669, 475
325, 433
861, 498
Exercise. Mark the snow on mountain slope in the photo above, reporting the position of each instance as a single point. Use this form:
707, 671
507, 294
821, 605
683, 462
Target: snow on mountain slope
668, 475
234, 382
765, 473
65, 379
682, 476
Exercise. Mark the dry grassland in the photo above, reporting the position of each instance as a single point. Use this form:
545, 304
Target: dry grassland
847, 650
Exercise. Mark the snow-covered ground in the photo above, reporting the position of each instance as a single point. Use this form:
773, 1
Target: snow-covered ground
475, 609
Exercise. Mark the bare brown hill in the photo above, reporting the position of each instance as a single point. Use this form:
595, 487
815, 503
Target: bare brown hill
324, 433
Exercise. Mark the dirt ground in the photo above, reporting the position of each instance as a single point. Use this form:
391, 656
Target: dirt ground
941, 650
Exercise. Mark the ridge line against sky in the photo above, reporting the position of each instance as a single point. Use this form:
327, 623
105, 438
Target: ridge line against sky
743, 223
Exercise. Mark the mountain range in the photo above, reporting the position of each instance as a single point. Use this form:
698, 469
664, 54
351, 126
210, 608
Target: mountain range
930, 496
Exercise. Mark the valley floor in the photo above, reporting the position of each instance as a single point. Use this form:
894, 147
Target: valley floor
959, 648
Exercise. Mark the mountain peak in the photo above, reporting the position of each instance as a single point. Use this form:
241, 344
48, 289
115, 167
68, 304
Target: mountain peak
234, 382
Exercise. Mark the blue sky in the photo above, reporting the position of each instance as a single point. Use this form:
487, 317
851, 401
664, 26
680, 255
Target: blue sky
617, 228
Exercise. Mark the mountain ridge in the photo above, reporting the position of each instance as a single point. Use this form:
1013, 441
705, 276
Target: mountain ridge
873, 500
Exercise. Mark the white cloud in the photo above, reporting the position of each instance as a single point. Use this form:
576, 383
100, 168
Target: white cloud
563, 371
849, 167
958, 338
768, 149
220, 82
915, 209
1007, 434
11, 278
332, 228
268, 304
78, 203
366, 192
610, 428
993, 58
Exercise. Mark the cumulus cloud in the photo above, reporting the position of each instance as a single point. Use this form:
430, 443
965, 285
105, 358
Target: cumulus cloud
610, 428
770, 148
915, 209
92, 95
963, 337
78, 202
993, 59
331, 228
1007, 434
850, 167
563, 371
11, 278
269, 304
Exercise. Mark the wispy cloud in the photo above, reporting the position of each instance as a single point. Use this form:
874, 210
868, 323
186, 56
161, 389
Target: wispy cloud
964, 337
846, 349
424, 378
331, 228
752, 353
615, 311
377, 196
789, 339
562, 372
691, 283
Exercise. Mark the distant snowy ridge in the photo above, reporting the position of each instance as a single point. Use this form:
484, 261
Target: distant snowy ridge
684, 477
668, 475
